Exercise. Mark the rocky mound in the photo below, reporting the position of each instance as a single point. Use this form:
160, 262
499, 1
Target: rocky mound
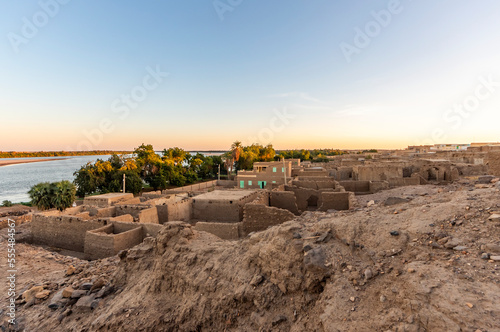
430, 265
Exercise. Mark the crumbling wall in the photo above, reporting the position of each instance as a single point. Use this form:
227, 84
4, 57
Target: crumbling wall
262, 198
149, 216
258, 217
223, 210
494, 162
284, 200
106, 212
315, 184
471, 170
336, 201
226, 231
65, 232
194, 187
376, 186
109, 240
106, 200
344, 173
123, 218
133, 210
356, 186
305, 198
377, 173
176, 211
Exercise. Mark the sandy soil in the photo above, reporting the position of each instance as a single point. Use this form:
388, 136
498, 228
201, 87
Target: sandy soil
25, 161
429, 263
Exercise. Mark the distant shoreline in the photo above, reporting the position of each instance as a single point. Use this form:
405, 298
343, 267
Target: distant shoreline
13, 162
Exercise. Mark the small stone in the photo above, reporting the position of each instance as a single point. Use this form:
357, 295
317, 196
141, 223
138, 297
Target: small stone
67, 292
395, 200
493, 248
495, 258
352, 299
296, 235
470, 305
368, 274
98, 284
86, 286
494, 217
382, 298
394, 233
278, 320
86, 303
411, 270
43, 295
78, 293
30, 294
453, 242
459, 248
71, 270
485, 255
370, 203
256, 280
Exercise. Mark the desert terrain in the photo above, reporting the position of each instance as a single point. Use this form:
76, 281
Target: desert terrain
415, 258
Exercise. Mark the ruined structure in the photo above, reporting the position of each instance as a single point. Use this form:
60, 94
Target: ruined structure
268, 195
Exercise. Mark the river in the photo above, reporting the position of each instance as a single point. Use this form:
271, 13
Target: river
16, 180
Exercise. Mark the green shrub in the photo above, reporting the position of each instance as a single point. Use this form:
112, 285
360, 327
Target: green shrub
60, 195
7, 203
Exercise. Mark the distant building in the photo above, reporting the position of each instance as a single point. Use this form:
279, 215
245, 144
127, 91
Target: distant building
420, 148
450, 147
264, 174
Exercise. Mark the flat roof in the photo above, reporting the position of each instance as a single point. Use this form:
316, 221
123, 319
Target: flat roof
111, 195
224, 195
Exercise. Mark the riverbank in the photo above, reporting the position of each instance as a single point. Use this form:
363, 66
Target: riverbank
13, 162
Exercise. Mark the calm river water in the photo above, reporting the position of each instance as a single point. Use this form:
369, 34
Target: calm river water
16, 180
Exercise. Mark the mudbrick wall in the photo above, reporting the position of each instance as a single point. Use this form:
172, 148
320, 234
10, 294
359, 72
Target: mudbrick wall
356, 186
107, 241
133, 210
65, 232
494, 162
336, 201
224, 210
258, 217
149, 216
285, 200
226, 231
177, 211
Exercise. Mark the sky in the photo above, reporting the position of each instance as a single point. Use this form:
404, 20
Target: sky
85, 75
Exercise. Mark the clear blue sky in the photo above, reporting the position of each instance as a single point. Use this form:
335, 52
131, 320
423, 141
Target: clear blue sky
233, 68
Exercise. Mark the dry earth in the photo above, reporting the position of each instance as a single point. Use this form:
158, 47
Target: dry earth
427, 263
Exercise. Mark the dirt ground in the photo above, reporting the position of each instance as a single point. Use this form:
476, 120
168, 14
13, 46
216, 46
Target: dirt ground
428, 261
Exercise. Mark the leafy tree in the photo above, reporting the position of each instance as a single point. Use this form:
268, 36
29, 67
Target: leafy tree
59, 195
7, 203
133, 182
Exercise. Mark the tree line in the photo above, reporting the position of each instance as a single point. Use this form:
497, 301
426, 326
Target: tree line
174, 167
14, 154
